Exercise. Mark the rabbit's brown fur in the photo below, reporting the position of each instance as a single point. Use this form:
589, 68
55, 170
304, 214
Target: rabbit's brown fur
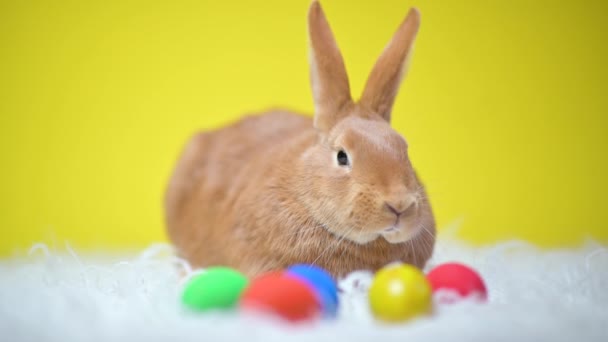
267, 191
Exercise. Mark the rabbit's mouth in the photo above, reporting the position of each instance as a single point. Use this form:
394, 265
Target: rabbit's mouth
395, 227
399, 232
392, 229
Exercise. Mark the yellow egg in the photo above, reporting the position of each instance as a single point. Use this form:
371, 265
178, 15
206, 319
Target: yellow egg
399, 293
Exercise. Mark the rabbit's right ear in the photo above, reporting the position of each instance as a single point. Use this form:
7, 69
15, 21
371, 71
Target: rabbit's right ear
383, 82
329, 81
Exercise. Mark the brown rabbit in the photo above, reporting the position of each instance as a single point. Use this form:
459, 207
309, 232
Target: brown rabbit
278, 188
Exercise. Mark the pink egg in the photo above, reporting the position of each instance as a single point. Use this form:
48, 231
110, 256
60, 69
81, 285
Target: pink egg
454, 281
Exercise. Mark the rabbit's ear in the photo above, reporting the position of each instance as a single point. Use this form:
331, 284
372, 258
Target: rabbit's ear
383, 82
328, 77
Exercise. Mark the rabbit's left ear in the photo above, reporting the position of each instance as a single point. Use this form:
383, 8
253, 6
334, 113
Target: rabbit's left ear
329, 81
384, 80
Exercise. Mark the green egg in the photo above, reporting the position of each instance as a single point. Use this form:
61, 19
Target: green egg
217, 288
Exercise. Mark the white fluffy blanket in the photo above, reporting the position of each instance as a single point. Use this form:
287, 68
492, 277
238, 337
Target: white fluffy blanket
534, 295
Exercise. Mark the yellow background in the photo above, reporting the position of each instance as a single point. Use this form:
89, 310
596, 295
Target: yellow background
504, 107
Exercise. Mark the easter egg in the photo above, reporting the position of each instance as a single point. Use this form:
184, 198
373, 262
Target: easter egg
458, 279
322, 283
399, 293
282, 295
215, 288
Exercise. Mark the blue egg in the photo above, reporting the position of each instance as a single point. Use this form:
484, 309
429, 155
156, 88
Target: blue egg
324, 285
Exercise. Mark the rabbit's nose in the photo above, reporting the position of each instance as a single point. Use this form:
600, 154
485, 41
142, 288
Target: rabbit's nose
392, 209
400, 207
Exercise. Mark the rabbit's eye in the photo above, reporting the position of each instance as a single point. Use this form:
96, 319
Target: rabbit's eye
342, 158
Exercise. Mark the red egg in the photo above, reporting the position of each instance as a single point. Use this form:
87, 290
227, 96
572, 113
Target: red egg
281, 294
458, 278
